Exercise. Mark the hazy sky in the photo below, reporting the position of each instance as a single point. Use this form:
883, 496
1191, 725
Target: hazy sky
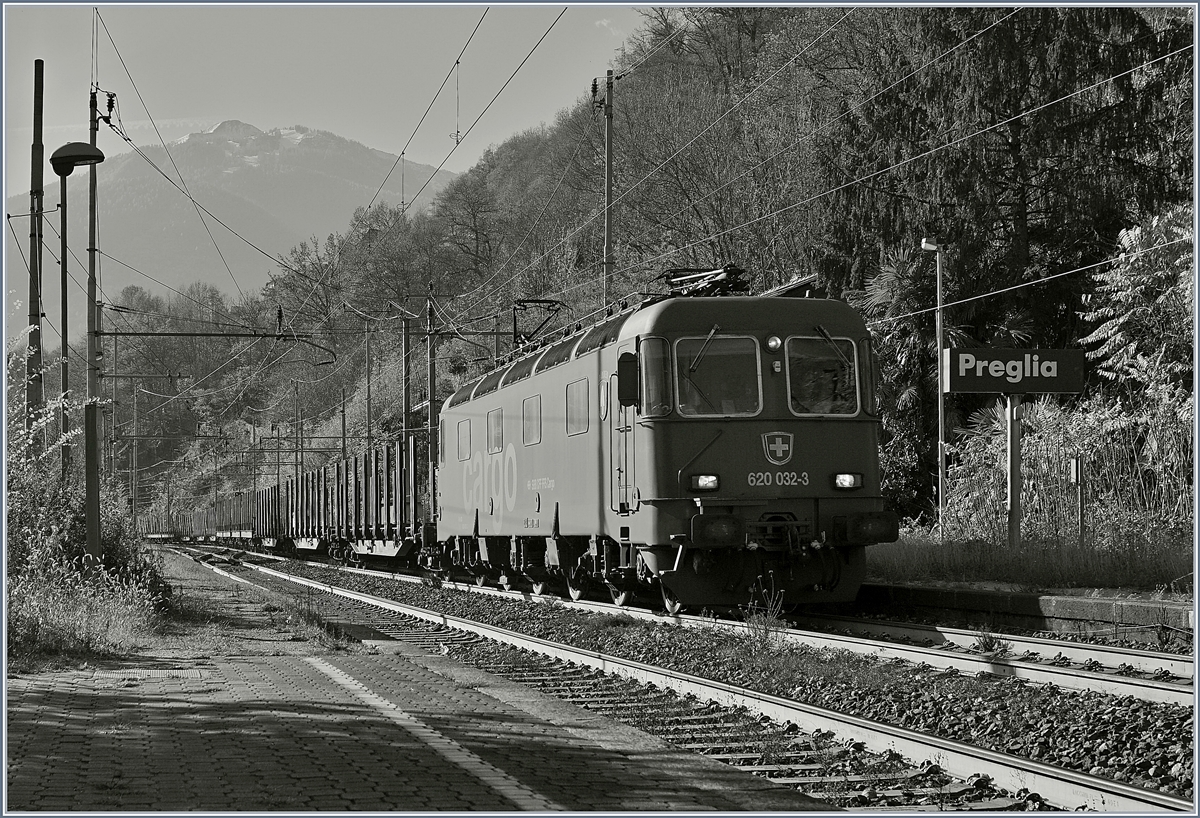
365, 72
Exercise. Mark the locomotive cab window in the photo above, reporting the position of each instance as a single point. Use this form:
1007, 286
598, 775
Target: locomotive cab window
464, 439
495, 431
531, 420
718, 375
577, 407
822, 376
655, 358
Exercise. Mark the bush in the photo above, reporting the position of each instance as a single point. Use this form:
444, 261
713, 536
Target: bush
1137, 500
59, 603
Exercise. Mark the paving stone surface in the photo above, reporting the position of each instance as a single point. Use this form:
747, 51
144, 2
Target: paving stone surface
393, 729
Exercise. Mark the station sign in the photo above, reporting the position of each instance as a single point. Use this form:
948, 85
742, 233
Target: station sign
1013, 371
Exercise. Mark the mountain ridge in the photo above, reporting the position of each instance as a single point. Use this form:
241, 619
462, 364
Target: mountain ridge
276, 188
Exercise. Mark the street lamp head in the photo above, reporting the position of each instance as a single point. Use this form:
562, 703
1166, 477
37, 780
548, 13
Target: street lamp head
930, 245
73, 154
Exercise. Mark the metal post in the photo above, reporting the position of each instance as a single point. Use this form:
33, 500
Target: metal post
936, 247
431, 445
133, 460
112, 460
343, 423
608, 185
34, 390
1013, 414
367, 363
64, 423
296, 443
91, 409
410, 496
941, 399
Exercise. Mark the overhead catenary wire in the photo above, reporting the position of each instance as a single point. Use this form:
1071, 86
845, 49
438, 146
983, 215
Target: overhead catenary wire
829, 123
428, 108
163, 142
1124, 255
899, 164
517, 70
923, 155
599, 212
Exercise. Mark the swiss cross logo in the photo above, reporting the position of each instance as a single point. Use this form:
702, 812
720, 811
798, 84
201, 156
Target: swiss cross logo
777, 446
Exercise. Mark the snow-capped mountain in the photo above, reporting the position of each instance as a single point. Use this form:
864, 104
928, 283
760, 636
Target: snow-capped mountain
273, 188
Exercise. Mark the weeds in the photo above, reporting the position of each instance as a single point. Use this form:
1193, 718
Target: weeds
1123, 518
764, 621
988, 643
62, 601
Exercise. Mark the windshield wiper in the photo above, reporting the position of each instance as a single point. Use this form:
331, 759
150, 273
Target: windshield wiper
827, 338
700, 354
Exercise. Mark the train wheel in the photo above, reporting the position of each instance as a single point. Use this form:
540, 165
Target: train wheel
541, 587
671, 603
480, 580
620, 596
579, 582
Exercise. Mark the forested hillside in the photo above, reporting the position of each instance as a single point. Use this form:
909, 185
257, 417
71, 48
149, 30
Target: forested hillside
1048, 150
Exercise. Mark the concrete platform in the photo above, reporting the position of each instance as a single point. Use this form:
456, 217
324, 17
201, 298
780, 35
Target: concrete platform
1050, 611
403, 731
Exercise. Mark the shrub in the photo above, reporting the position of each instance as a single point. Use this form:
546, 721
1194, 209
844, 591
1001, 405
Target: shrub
58, 601
1137, 499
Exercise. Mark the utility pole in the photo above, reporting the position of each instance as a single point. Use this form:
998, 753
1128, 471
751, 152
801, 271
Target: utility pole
64, 422
91, 428
34, 391
431, 446
133, 464
367, 362
112, 458
608, 186
343, 423
297, 435
410, 453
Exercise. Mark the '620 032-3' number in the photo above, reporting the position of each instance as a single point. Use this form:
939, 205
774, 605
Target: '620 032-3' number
777, 478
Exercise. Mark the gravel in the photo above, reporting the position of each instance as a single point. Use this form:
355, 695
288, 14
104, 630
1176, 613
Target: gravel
1147, 744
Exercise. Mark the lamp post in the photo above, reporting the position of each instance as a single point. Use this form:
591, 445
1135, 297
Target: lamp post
936, 248
64, 160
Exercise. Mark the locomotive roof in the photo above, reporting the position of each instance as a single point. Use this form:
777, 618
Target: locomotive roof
665, 314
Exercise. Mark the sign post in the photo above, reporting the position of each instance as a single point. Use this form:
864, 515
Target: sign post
1014, 373
1014, 411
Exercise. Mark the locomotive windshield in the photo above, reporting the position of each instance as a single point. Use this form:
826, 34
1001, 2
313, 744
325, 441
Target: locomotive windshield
821, 376
717, 375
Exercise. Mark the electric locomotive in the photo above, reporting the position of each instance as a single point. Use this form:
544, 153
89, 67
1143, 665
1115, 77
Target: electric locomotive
720, 450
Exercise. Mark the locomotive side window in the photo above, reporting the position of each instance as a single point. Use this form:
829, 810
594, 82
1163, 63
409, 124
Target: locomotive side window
464, 439
577, 407
495, 431
822, 377
531, 420
718, 375
655, 358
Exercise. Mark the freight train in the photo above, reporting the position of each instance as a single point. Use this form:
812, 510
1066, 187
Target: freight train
717, 450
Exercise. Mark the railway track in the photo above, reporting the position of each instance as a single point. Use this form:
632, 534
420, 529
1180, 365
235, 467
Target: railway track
766, 738
1144, 675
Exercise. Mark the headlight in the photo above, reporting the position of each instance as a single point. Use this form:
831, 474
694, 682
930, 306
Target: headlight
705, 482
774, 344
847, 480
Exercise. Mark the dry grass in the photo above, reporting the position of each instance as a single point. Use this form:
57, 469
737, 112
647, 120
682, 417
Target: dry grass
207, 616
1164, 567
211, 615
